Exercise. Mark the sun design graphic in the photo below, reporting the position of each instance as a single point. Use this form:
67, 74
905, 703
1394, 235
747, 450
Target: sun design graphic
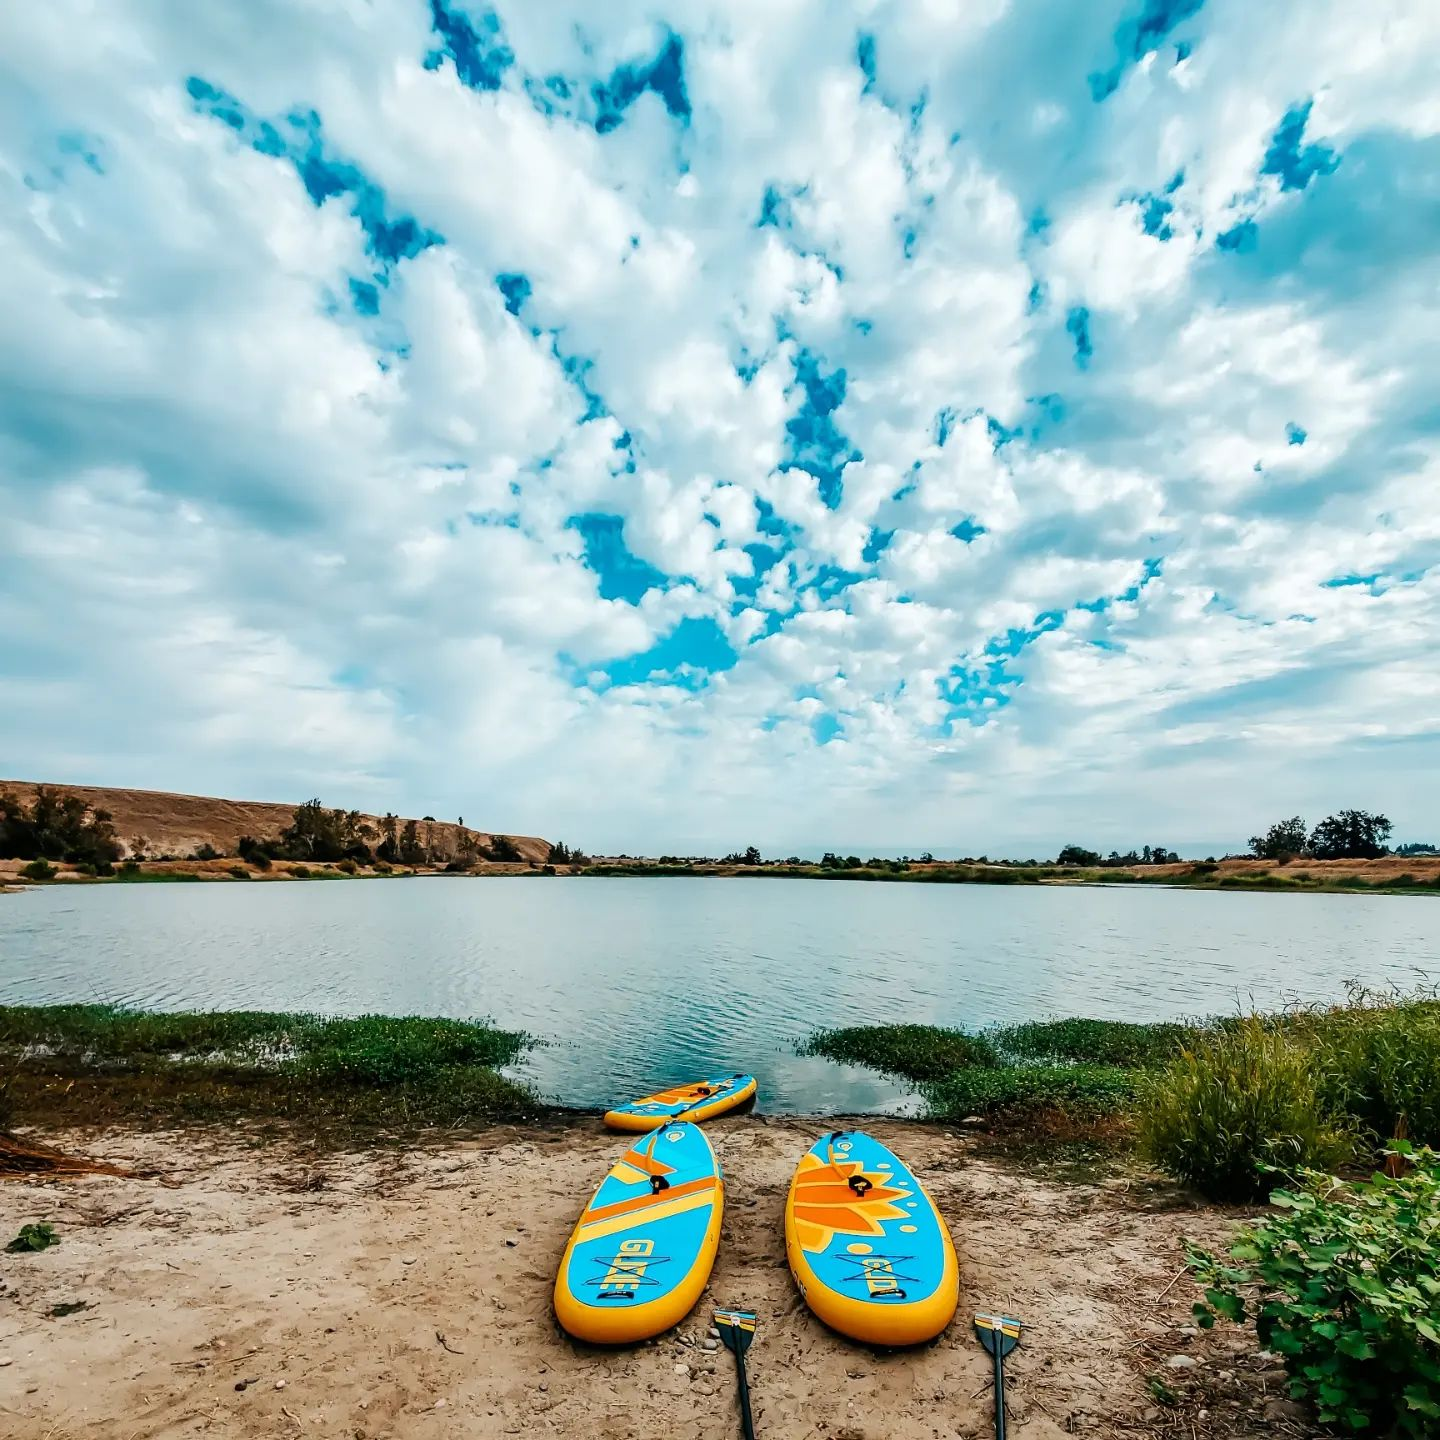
826, 1203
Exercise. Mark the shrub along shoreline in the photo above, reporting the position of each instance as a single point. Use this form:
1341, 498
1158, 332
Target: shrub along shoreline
1231, 1106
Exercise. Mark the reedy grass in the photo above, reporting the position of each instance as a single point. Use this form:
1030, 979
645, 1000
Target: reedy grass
1238, 1109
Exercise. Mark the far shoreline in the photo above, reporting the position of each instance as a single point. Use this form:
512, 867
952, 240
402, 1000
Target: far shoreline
1389, 875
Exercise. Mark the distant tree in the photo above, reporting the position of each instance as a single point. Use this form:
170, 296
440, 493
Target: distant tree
1161, 856
1077, 855
751, 856
1350, 835
1417, 847
412, 852
560, 853
854, 862
139, 844
1286, 837
388, 849
503, 848
831, 861
57, 827
927, 858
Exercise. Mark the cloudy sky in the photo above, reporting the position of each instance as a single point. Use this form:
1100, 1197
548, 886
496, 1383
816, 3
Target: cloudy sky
965, 424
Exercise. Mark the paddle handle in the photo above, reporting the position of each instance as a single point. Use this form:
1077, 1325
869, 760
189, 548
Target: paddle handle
999, 1392
747, 1422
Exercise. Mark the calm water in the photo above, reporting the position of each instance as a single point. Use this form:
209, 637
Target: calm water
636, 983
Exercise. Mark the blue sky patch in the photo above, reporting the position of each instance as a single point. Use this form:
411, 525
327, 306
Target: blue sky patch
1240, 237
391, 237
1294, 163
1077, 325
692, 651
1296, 434
515, 288
1138, 36
664, 75
816, 443
825, 728
622, 574
478, 49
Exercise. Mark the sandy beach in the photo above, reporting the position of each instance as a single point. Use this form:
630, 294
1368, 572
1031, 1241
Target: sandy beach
269, 1290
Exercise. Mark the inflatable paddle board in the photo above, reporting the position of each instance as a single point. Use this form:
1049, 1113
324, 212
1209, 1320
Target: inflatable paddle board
642, 1249
690, 1102
867, 1247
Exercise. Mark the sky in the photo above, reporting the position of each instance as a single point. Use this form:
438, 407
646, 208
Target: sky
965, 425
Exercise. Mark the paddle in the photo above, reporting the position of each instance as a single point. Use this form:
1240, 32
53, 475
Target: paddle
999, 1334
737, 1330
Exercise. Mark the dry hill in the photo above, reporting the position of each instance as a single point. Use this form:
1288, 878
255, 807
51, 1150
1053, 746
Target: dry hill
179, 824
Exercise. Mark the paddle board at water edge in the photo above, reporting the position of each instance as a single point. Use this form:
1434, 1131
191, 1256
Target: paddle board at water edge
642, 1250
699, 1102
866, 1245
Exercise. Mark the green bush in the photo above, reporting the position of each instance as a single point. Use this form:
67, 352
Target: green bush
914, 1052
239, 872
980, 1090
1240, 1099
349, 866
1378, 1061
1345, 1286
38, 870
299, 872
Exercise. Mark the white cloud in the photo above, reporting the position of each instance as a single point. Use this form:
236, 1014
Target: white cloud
1066, 518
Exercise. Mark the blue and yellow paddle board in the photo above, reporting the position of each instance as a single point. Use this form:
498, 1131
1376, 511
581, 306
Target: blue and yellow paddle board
692, 1102
867, 1247
642, 1249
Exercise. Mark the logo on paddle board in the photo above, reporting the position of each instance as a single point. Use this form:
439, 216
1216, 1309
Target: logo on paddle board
627, 1270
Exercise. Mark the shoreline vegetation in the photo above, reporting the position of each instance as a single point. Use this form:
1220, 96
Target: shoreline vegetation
68, 1065
1230, 1106
65, 835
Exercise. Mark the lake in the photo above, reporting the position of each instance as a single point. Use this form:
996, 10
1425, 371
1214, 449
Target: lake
636, 983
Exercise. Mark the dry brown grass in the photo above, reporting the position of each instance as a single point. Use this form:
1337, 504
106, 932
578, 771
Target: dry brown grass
180, 824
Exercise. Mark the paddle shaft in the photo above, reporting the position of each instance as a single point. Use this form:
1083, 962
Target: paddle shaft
747, 1423
999, 1394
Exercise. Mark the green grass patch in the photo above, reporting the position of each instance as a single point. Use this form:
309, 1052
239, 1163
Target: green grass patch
374, 1069
920, 1053
988, 1090
1100, 1042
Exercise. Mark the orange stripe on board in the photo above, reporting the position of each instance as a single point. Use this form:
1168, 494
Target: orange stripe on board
642, 1202
662, 1210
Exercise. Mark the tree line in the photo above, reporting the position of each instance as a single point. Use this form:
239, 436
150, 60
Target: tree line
54, 826
1346, 835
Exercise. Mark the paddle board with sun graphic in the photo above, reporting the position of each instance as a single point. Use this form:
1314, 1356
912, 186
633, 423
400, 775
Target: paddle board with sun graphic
867, 1247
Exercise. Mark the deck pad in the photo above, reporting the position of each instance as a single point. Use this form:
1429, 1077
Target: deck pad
642, 1250
866, 1245
697, 1103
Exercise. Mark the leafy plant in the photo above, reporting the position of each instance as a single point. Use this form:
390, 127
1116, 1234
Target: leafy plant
34, 1237
1344, 1284
38, 870
1239, 1104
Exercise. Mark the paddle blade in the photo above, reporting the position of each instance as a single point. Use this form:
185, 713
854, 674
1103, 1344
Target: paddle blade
737, 1329
999, 1334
